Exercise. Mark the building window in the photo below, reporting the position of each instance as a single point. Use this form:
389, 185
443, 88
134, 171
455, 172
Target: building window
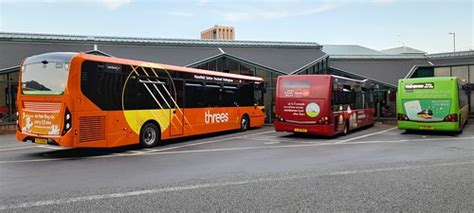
9, 85
423, 72
212, 65
472, 101
265, 75
322, 65
247, 70
442, 71
471, 74
232, 66
461, 72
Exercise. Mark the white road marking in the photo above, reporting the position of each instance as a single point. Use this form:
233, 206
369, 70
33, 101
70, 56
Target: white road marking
416, 140
260, 138
201, 143
51, 147
366, 135
17, 148
271, 142
237, 149
351, 172
33, 160
130, 152
261, 133
136, 152
213, 185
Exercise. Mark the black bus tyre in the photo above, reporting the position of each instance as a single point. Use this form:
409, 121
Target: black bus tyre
346, 128
460, 126
149, 135
244, 123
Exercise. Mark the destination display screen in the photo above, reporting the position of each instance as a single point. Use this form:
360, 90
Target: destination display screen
419, 86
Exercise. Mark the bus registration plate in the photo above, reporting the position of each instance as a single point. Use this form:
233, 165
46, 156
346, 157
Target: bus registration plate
300, 130
41, 141
427, 127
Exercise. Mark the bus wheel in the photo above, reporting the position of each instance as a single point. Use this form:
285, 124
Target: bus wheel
149, 135
346, 128
244, 123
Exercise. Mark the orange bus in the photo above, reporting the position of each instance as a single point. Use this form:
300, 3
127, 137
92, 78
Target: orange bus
83, 100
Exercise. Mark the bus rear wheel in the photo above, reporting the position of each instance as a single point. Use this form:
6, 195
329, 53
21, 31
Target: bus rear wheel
346, 128
244, 123
149, 135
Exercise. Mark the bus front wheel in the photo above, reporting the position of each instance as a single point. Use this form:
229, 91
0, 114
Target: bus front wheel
149, 135
244, 123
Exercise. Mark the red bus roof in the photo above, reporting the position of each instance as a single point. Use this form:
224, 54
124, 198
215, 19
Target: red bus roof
165, 66
321, 76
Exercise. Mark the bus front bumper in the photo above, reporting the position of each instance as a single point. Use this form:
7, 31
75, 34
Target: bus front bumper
435, 126
325, 130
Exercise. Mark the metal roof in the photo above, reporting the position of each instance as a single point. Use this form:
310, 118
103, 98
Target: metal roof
283, 60
403, 50
388, 71
10, 69
461, 54
342, 51
8, 36
338, 71
378, 57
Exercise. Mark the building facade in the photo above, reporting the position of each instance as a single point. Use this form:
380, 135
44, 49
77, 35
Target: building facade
255, 58
265, 59
459, 64
219, 32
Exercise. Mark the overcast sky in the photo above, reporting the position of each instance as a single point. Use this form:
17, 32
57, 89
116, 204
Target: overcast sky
377, 24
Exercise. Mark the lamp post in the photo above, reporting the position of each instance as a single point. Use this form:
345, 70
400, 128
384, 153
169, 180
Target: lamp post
454, 40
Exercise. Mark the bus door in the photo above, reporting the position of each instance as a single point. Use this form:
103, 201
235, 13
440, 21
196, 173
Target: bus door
177, 110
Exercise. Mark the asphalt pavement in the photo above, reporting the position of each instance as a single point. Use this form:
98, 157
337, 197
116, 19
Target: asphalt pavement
374, 169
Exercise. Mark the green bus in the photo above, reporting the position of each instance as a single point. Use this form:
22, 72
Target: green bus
438, 104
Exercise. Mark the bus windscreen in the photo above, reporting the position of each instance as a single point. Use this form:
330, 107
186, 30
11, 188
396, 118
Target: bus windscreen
296, 89
45, 74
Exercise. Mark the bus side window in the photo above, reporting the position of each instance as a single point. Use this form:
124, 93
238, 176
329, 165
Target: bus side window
149, 93
246, 95
179, 95
103, 83
463, 98
259, 94
212, 94
229, 96
194, 95
130, 97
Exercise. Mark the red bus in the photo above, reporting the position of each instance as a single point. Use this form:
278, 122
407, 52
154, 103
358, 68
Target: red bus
322, 104
83, 100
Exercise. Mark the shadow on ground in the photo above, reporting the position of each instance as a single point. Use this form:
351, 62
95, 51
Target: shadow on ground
435, 133
77, 153
309, 136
